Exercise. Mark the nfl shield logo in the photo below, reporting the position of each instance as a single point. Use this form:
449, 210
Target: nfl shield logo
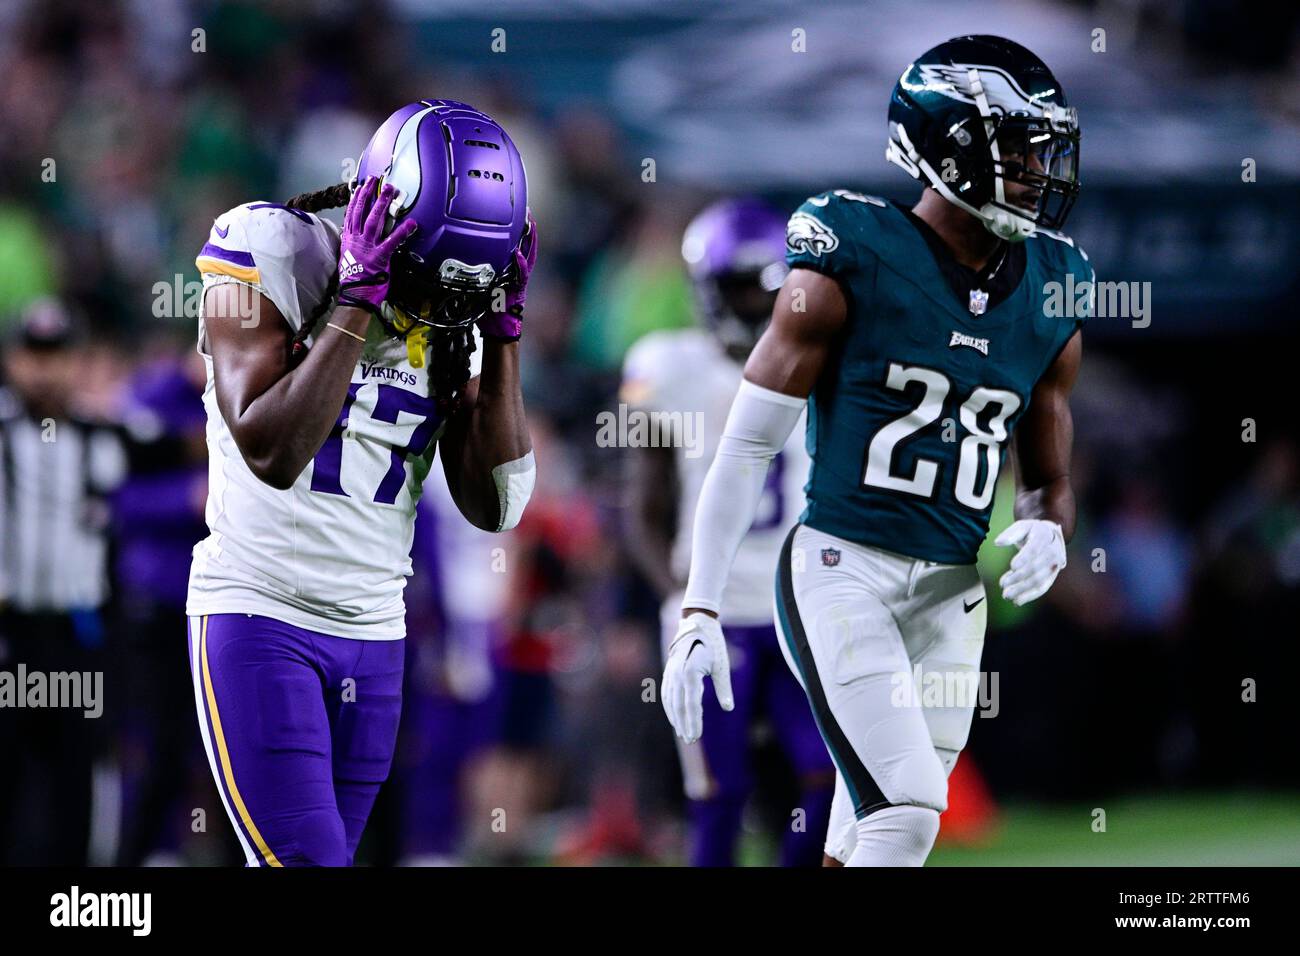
979, 301
830, 557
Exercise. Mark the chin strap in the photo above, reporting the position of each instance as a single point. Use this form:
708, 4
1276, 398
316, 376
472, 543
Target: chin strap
417, 340
415, 333
1007, 225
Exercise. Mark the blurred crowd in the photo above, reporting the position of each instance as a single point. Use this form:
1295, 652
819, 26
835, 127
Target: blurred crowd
123, 134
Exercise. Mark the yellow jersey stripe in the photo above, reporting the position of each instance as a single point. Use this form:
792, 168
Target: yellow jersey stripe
212, 266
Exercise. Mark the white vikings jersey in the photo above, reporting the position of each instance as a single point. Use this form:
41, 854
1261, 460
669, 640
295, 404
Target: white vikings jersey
332, 552
687, 371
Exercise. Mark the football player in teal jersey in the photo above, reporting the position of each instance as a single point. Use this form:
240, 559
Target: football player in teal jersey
919, 339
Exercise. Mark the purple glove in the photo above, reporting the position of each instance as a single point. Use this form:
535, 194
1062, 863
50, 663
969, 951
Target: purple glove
364, 253
509, 324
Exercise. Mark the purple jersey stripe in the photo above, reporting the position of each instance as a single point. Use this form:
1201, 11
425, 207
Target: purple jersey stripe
229, 255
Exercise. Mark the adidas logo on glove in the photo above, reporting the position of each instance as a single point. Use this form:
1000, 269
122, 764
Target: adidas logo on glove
348, 267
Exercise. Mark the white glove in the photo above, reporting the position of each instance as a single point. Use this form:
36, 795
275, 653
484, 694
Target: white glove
698, 650
1035, 567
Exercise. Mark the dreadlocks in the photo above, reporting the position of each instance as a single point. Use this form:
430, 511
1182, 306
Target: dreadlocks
331, 197
448, 349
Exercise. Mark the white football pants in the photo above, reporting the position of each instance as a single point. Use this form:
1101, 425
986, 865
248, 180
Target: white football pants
887, 648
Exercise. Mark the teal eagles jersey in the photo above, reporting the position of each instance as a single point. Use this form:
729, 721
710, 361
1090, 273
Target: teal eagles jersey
909, 424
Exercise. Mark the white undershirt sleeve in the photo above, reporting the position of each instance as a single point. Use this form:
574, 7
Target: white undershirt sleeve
758, 426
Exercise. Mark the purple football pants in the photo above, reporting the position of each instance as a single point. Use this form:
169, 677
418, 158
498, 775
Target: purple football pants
299, 728
763, 687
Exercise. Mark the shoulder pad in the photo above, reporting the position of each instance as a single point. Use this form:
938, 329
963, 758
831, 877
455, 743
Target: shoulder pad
1065, 252
1068, 271
831, 231
659, 364
286, 254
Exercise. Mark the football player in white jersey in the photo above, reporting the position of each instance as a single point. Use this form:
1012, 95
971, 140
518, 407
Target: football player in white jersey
336, 361
735, 252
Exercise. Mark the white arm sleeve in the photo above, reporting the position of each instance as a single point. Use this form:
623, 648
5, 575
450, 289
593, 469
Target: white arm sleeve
757, 429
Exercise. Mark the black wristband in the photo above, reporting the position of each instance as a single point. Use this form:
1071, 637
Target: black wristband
345, 299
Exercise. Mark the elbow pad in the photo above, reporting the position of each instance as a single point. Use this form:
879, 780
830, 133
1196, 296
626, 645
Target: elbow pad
514, 481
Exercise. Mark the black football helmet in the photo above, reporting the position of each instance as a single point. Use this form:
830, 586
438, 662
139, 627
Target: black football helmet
987, 125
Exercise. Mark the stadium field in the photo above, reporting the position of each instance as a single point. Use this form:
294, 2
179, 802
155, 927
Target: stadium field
1222, 829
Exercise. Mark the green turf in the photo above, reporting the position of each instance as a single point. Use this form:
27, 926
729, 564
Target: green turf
1233, 829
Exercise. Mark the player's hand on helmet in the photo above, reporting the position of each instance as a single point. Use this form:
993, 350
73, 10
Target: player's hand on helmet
508, 323
364, 251
1040, 558
698, 650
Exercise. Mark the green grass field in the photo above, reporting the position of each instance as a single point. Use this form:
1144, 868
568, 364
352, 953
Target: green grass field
1231, 829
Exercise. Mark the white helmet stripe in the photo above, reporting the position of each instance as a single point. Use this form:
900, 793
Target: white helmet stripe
404, 170
982, 103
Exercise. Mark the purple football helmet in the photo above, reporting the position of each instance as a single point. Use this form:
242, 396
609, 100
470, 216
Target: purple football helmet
735, 254
462, 179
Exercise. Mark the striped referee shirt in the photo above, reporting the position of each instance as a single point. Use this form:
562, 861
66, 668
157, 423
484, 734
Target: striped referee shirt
55, 479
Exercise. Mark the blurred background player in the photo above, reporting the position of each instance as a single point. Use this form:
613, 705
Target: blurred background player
157, 520
897, 327
455, 604
336, 360
735, 254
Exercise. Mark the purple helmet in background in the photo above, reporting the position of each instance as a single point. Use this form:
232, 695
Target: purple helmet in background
461, 178
735, 254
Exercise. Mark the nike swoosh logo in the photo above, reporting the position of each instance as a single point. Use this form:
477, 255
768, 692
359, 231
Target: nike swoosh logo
972, 606
221, 232
698, 643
